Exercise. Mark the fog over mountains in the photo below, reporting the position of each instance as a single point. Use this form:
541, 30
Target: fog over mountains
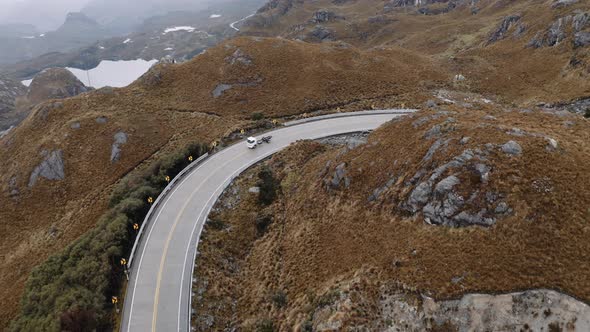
119, 15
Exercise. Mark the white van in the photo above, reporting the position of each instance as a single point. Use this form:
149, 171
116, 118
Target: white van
251, 142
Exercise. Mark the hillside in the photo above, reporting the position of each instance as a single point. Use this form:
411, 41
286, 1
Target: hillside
484, 190
446, 202
528, 52
63, 152
54, 83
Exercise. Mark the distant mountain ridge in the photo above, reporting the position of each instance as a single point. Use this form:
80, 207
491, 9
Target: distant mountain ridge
26, 42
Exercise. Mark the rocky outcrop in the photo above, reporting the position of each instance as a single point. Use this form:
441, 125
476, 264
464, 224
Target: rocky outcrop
51, 168
442, 195
425, 8
581, 39
239, 57
120, 138
321, 33
512, 148
563, 3
533, 310
323, 16
503, 29
338, 179
580, 106
560, 29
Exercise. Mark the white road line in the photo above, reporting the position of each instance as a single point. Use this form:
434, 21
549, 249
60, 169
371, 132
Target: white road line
152, 226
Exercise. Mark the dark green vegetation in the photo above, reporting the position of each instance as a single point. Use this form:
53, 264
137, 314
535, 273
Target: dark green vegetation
268, 186
72, 291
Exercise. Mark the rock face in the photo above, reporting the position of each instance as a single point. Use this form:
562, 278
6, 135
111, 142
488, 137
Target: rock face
580, 106
560, 30
535, 310
120, 139
338, 179
54, 83
503, 29
321, 33
582, 39
52, 168
323, 16
439, 193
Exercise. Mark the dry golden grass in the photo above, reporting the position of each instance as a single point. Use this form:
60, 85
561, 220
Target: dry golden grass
320, 236
168, 108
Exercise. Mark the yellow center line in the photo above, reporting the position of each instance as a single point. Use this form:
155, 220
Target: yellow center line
167, 245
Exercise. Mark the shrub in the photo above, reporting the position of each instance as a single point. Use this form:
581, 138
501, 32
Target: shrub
262, 223
257, 116
268, 186
265, 325
279, 299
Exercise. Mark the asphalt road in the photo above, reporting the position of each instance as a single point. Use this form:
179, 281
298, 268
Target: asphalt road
159, 291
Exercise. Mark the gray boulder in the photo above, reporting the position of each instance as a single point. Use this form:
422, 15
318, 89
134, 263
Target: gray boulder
339, 177
502, 30
322, 16
420, 196
220, 89
582, 39
120, 139
322, 33
512, 148
51, 168
447, 184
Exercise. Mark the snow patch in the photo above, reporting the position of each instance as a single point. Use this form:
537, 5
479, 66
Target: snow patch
28, 37
116, 74
101, 47
181, 28
27, 82
127, 41
214, 16
42, 35
168, 49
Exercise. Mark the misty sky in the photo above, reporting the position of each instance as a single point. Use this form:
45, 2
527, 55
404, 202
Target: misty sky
47, 15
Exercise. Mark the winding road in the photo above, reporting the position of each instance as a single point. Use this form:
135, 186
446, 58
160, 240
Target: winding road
233, 24
159, 291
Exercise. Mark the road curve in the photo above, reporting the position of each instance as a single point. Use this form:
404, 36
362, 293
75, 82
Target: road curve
159, 290
233, 24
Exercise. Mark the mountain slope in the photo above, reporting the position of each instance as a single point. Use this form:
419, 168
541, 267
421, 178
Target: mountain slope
523, 51
199, 101
446, 202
